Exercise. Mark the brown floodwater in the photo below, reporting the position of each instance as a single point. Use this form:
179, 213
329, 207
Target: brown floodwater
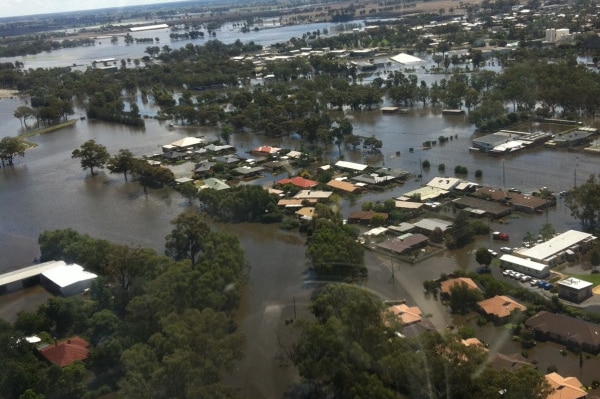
47, 190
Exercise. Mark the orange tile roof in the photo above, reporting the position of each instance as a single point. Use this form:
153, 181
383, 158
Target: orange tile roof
500, 306
66, 352
564, 388
446, 286
406, 314
342, 185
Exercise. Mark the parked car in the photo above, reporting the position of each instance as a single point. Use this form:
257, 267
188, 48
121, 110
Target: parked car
541, 284
517, 275
506, 250
534, 282
497, 235
525, 278
494, 253
507, 272
548, 286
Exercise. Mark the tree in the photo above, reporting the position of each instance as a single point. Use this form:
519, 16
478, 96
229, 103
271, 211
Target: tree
92, 155
225, 133
483, 256
186, 240
189, 191
11, 147
338, 353
151, 175
526, 383
121, 163
463, 298
334, 251
595, 259
24, 113
584, 203
547, 231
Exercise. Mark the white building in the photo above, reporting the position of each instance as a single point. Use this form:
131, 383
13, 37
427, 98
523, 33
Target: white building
574, 290
553, 251
527, 266
67, 280
554, 35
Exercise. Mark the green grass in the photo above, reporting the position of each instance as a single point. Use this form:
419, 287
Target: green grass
48, 129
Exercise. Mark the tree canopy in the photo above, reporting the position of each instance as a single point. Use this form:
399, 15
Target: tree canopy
584, 203
352, 349
334, 251
92, 155
10, 147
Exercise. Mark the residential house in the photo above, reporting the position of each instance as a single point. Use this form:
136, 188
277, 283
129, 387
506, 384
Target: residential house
342, 185
500, 307
574, 333
265, 151
518, 202
219, 149
203, 167
404, 245
228, 159
479, 207
407, 315
214, 183
248, 171
66, 352
565, 387
515, 361
299, 182
306, 213
447, 285
428, 225
313, 196
365, 217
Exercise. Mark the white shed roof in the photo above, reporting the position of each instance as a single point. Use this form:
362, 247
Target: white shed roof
404, 58
556, 245
351, 165
65, 275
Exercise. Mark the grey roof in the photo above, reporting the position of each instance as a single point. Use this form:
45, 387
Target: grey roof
431, 224
204, 166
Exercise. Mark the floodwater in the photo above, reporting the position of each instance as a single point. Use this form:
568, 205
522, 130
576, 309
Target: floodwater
48, 190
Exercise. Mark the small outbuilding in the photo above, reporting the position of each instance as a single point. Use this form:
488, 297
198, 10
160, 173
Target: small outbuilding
67, 280
574, 290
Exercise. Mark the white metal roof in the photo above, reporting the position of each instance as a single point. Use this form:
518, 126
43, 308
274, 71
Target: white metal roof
515, 260
556, 245
404, 58
65, 275
445, 183
575, 283
29, 271
351, 165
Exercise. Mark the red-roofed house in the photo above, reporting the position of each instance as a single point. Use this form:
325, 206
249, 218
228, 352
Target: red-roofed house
266, 150
66, 352
298, 181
